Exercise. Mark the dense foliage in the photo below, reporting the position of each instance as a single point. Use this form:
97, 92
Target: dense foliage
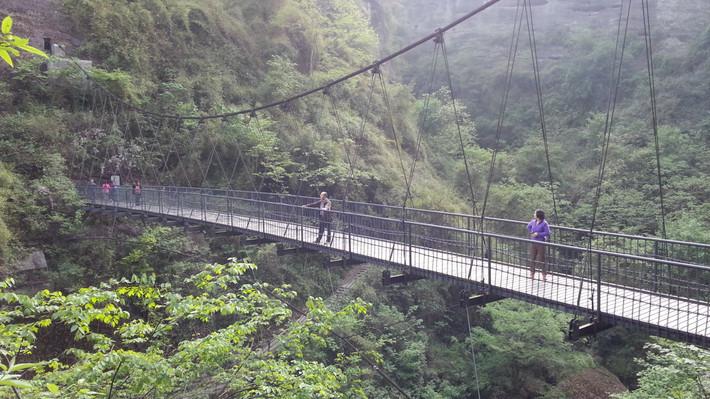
575, 57
136, 337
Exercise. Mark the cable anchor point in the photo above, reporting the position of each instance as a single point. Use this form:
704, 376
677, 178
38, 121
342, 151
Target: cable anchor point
376, 69
439, 38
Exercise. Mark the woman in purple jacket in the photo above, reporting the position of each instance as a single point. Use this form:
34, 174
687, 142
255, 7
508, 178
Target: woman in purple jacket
539, 230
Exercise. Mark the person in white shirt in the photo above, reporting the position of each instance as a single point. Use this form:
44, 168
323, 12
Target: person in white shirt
325, 217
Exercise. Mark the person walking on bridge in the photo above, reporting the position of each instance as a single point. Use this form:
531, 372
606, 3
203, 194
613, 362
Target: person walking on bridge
92, 190
539, 230
106, 189
325, 217
137, 192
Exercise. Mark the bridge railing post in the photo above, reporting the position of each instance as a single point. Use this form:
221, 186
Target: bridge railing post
349, 217
655, 266
203, 207
229, 211
599, 286
409, 243
300, 223
262, 217
160, 201
469, 238
179, 203
490, 263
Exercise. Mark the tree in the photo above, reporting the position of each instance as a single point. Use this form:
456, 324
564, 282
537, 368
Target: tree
672, 370
10, 45
135, 338
524, 350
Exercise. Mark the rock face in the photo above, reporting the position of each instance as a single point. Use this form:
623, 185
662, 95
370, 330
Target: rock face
39, 19
34, 261
594, 383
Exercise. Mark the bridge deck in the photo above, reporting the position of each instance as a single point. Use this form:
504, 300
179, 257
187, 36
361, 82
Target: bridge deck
660, 313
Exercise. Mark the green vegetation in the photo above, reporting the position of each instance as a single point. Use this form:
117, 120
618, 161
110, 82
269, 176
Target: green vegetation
10, 45
128, 309
672, 370
136, 337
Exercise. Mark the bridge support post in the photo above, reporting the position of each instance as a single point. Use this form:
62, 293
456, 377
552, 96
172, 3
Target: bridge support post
258, 241
282, 250
187, 227
389, 279
478, 299
581, 328
226, 233
342, 262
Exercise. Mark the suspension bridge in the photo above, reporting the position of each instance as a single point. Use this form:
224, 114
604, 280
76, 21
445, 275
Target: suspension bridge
653, 284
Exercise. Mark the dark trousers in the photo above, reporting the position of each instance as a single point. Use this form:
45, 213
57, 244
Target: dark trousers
323, 225
537, 258
137, 198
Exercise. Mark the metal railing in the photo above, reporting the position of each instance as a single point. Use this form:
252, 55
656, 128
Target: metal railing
667, 297
682, 251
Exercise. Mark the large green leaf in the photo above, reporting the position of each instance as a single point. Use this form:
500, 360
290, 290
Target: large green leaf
52, 388
23, 366
6, 25
15, 383
32, 50
5, 56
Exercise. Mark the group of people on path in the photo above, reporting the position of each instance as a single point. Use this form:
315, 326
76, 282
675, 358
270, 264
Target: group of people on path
109, 190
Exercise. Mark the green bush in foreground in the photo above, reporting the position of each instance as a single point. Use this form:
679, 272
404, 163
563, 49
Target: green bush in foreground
135, 338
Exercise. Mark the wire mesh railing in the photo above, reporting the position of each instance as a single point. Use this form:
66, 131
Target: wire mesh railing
682, 251
664, 296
